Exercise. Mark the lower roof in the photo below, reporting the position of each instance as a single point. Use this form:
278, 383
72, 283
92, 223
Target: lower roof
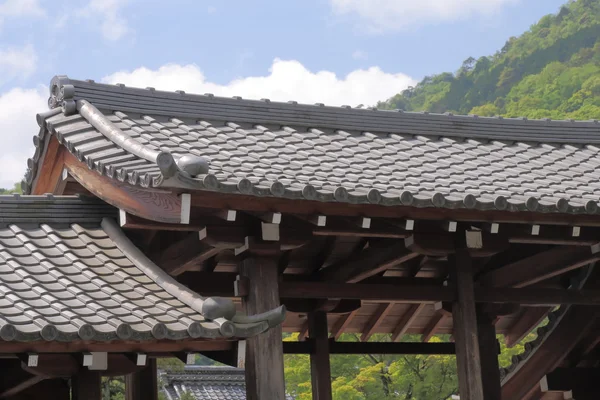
68, 273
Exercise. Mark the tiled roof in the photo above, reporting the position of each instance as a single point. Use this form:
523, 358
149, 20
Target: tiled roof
207, 383
151, 138
67, 272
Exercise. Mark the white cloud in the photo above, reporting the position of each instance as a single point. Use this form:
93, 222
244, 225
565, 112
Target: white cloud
108, 12
287, 80
389, 15
17, 63
20, 8
17, 127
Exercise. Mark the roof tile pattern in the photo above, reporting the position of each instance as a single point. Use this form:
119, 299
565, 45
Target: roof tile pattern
207, 383
64, 278
383, 157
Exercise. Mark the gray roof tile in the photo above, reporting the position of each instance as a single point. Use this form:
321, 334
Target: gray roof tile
59, 275
328, 150
206, 383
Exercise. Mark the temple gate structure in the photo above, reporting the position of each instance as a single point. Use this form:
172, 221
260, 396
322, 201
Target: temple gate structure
167, 224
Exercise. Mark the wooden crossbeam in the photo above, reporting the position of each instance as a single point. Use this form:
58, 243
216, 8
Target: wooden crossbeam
185, 254
525, 323
430, 330
376, 319
582, 382
368, 263
406, 321
21, 386
372, 348
341, 324
541, 266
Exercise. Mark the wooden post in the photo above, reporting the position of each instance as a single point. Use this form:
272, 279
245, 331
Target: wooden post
85, 385
489, 349
465, 327
143, 384
264, 353
320, 369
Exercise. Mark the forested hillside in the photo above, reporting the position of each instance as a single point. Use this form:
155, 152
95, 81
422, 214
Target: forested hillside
551, 71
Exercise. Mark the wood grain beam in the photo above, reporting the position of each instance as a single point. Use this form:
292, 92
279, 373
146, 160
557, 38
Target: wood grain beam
575, 324
49, 171
541, 266
376, 319
308, 208
430, 330
370, 262
341, 324
336, 347
150, 204
529, 319
185, 254
21, 386
465, 327
320, 366
406, 321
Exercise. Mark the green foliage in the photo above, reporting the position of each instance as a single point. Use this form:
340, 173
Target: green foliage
551, 71
15, 189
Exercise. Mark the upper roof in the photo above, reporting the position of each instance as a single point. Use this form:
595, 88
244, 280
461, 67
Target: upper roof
206, 383
67, 272
152, 138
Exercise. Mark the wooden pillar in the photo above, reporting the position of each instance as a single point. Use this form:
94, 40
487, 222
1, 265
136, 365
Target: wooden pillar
489, 348
465, 327
85, 385
142, 384
320, 368
264, 353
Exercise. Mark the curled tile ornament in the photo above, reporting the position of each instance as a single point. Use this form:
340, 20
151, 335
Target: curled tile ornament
86, 332
124, 331
8, 332
374, 196
49, 333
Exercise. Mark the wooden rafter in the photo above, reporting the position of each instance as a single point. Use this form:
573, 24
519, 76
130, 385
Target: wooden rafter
541, 266
21, 386
531, 317
185, 254
376, 319
341, 324
406, 321
336, 347
436, 321
370, 262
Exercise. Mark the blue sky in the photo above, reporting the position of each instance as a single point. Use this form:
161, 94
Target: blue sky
331, 51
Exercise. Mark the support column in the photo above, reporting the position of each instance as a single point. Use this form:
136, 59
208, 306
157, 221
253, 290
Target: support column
85, 385
143, 384
489, 348
465, 327
320, 368
264, 353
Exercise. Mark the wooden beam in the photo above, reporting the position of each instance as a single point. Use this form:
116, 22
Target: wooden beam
406, 321
489, 349
369, 262
336, 347
306, 207
142, 385
151, 204
263, 352
582, 382
526, 322
21, 386
433, 325
86, 385
320, 368
465, 328
303, 334
412, 294
150, 346
49, 171
575, 325
541, 266
185, 254
376, 319
341, 324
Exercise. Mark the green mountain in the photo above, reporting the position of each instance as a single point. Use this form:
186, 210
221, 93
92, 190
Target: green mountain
551, 71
